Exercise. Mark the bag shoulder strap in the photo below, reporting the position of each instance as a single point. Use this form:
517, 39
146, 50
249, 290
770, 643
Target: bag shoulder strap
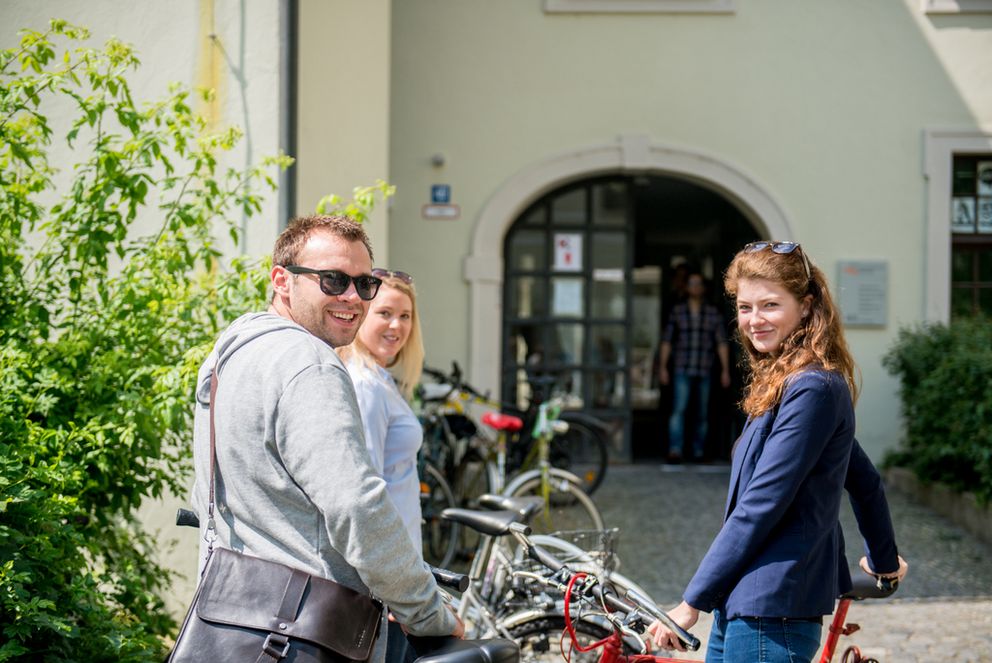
211, 533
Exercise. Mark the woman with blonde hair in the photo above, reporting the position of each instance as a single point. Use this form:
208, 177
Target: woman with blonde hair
777, 565
385, 361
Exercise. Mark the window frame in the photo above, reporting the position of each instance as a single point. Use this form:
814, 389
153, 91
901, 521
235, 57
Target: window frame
940, 145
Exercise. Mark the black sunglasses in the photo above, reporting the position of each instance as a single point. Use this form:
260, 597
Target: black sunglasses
392, 274
781, 248
334, 282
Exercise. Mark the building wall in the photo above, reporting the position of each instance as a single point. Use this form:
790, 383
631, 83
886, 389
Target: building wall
822, 105
343, 135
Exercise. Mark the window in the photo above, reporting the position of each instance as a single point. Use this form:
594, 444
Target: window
971, 235
566, 313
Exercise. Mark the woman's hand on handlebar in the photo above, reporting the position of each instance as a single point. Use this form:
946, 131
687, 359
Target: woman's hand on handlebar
661, 636
899, 574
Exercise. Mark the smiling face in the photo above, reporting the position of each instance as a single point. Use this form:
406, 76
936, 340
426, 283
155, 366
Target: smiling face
387, 328
333, 319
767, 313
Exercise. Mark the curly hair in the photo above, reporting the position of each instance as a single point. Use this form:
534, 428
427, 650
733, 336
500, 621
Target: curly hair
409, 362
818, 341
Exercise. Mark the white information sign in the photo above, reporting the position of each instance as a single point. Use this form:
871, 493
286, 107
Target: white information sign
566, 297
864, 293
568, 252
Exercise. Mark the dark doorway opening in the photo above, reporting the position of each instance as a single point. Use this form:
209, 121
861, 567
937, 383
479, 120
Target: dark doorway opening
681, 226
588, 277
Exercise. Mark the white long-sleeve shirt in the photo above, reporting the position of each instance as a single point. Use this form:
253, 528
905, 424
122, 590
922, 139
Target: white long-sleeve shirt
393, 435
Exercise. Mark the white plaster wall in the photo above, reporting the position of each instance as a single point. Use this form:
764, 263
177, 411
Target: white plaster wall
344, 105
824, 104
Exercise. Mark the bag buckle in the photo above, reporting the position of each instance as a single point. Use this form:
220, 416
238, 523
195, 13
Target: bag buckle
273, 640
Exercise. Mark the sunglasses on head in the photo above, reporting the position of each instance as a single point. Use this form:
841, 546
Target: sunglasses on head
392, 274
334, 282
781, 248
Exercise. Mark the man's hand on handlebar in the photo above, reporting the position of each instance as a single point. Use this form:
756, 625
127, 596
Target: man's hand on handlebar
661, 636
460, 627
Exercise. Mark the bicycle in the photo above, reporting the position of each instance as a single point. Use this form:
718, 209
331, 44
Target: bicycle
864, 588
620, 618
582, 449
439, 537
498, 600
566, 504
616, 644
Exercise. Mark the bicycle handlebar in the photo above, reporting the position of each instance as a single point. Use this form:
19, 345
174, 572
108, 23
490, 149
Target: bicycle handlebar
630, 602
446, 578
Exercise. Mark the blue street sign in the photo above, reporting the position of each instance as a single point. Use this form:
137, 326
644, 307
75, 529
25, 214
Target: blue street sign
440, 193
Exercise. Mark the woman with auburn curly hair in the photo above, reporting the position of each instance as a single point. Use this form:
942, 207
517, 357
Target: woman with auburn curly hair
777, 564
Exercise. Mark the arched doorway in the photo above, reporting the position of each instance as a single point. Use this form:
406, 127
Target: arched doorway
588, 279
630, 156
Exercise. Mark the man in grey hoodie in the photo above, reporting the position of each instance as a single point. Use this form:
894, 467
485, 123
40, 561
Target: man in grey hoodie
294, 480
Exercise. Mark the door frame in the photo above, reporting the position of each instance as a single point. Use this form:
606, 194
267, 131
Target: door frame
629, 154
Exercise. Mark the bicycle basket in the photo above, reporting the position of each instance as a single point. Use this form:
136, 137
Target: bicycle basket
587, 550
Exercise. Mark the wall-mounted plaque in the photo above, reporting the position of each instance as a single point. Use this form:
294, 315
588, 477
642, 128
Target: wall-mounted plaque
863, 293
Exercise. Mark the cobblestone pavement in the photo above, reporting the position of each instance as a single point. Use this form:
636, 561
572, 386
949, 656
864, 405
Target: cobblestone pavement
668, 516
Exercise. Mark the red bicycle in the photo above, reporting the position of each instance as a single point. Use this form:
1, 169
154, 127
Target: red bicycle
620, 621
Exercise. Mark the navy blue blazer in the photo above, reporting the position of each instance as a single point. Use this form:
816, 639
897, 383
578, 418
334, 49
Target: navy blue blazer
780, 552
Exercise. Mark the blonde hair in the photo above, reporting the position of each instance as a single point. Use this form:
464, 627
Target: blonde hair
409, 363
818, 341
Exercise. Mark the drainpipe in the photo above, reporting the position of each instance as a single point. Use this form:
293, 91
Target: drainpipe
289, 14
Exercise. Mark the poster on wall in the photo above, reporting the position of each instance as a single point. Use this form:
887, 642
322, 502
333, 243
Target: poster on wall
566, 297
568, 252
963, 215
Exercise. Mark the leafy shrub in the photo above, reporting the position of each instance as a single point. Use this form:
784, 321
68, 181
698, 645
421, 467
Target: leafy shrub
100, 336
946, 376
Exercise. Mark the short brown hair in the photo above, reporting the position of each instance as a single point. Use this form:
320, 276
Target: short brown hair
291, 241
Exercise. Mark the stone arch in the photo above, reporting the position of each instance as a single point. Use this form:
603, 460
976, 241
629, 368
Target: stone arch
631, 154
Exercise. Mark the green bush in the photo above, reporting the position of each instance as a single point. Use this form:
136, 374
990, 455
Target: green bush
946, 376
101, 332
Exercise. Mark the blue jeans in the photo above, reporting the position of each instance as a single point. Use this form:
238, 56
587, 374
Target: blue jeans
762, 640
684, 385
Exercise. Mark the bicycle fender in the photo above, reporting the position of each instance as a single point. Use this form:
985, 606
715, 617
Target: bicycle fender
557, 474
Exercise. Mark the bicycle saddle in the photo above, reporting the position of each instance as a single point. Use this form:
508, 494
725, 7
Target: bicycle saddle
866, 587
505, 422
525, 506
447, 649
492, 523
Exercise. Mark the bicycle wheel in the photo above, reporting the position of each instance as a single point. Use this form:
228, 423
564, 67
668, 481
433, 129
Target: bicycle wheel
473, 478
583, 451
568, 507
540, 639
440, 537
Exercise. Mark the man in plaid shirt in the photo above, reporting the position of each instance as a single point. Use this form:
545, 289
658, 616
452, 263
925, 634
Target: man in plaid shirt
695, 328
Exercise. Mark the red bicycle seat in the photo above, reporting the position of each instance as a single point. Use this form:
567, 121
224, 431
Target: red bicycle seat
500, 421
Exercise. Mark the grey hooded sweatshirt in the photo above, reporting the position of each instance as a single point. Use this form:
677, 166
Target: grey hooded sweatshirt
295, 483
